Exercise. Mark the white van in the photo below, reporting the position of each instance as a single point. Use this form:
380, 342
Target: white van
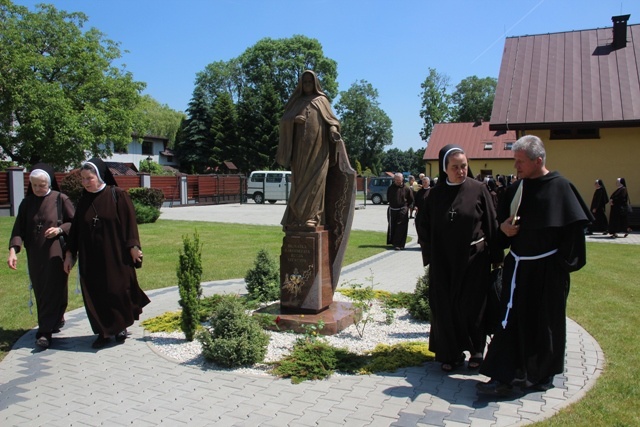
269, 185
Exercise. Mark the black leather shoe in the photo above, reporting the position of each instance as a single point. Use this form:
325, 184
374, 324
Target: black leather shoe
494, 388
122, 335
100, 342
43, 342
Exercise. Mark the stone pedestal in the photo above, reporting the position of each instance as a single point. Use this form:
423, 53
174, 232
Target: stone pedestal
337, 317
305, 271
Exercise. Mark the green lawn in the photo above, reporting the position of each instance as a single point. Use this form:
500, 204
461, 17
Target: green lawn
604, 299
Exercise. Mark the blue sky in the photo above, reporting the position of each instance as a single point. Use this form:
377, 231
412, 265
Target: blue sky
391, 44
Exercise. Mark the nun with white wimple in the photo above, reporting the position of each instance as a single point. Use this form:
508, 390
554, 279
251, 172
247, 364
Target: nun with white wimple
44, 216
460, 225
105, 238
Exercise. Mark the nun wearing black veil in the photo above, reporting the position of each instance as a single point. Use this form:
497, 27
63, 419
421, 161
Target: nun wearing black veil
460, 223
104, 234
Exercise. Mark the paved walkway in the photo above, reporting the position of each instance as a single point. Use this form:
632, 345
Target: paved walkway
71, 384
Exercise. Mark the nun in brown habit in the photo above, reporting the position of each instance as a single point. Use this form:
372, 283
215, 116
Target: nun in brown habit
105, 237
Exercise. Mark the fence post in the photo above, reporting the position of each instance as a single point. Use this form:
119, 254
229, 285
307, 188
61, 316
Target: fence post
145, 179
184, 196
16, 188
365, 191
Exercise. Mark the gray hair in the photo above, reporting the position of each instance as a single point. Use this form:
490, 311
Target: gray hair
39, 174
532, 147
398, 174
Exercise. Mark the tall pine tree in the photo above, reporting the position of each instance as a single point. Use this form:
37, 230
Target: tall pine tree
224, 134
195, 147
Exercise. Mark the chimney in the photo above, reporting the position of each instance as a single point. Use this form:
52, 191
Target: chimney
619, 31
478, 121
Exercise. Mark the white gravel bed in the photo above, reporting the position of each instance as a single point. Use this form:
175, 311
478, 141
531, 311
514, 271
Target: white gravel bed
403, 328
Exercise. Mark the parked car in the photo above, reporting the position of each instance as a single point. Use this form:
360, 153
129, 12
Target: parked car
269, 185
377, 189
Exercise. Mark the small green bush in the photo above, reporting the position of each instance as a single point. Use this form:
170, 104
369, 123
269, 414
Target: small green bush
309, 360
389, 358
236, 338
263, 280
419, 307
147, 196
398, 300
167, 322
145, 214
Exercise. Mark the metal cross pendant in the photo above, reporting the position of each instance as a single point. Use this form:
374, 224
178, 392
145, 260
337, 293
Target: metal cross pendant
451, 213
95, 220
38, 228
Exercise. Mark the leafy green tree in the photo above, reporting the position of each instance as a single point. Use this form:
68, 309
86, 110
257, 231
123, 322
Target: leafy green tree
61, 97
435, 102
366, 128
159, 119
194, 147
279, 63
473, 99
220, 77
396, 160
260, 81
224, 130
151, 167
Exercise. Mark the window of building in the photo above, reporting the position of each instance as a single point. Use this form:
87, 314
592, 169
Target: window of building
488, 146
508, 145
587, 133
147, 148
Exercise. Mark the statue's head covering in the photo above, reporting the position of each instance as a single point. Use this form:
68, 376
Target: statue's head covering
40, 168
299, 91
101, 170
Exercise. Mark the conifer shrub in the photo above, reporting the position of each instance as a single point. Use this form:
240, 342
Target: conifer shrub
235, 337
189, 274
419, 307
263, 280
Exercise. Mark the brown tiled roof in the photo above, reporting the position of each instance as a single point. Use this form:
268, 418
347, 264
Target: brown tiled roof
229, 165
472, 138
578, 78
118, 168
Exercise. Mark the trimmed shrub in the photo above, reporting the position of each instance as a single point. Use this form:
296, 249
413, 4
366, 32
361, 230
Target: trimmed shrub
263, 280
147, 196
189, 274
145, 214
419, 307
235, 338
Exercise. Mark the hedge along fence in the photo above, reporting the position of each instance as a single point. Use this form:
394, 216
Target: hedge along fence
201, 189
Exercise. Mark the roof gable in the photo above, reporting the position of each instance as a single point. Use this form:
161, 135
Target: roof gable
578, 78
472, 138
